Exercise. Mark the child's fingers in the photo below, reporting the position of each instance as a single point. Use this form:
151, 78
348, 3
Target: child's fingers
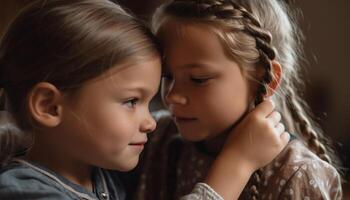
280, 128
274, 118
285, 138
264, 108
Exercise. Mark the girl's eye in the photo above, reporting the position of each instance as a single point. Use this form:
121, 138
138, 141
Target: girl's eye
131, 103
199, 80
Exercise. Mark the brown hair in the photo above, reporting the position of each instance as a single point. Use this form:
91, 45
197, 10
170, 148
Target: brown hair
66, 43
253, 33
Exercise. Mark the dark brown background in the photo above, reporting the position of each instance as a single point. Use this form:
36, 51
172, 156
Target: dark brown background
326, 27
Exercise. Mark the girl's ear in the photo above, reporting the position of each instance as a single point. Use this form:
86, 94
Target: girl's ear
277, 74
45, 104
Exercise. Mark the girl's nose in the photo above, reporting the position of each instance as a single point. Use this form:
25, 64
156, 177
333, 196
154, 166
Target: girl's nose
173, 95
175, 99
149, 124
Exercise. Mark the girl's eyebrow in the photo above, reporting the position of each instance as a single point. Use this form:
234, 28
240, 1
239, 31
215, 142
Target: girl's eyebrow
202, 65
139, 89
198, 65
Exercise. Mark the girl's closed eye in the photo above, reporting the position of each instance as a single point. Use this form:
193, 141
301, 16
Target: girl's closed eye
131, 103
201, 80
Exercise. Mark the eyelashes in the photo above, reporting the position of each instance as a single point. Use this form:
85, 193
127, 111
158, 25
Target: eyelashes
131, 103
200, 80
194, 79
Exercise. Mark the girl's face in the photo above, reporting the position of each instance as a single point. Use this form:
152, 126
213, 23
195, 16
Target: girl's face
106, 121
204, 90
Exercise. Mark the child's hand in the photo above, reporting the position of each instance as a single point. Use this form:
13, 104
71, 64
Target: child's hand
253, 143
258, 138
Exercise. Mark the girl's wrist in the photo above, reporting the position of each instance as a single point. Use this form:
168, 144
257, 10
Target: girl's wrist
229, 174
239, 160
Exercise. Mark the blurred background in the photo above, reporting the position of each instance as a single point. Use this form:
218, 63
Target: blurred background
325, 24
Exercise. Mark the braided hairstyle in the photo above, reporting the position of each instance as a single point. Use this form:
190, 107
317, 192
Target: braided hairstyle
282, 24
246, 29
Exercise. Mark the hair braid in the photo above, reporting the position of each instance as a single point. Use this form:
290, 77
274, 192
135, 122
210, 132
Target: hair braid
234, 19
305, 127
263, 41
245, 29
231, 10
266, 55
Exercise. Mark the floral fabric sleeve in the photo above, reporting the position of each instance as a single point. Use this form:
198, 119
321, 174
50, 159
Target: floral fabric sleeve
202, 191
317, 180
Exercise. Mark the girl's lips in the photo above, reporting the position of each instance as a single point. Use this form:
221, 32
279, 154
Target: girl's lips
139, 146
138, 143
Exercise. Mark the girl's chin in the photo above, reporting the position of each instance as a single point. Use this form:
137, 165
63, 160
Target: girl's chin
194, 136
126, 166
213, 139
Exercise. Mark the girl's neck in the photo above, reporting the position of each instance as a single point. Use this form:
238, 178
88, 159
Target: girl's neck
76, 172
212, 146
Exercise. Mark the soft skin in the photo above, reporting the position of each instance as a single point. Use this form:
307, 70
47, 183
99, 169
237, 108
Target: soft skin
104, 123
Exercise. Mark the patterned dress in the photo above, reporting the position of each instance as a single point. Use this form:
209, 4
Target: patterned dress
171, 167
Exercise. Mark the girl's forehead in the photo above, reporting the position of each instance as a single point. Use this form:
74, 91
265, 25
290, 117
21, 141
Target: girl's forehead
184, 29
190, 40
131, 63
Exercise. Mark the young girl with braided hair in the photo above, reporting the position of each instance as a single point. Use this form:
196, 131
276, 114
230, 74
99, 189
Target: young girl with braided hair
222, 57
77, 78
